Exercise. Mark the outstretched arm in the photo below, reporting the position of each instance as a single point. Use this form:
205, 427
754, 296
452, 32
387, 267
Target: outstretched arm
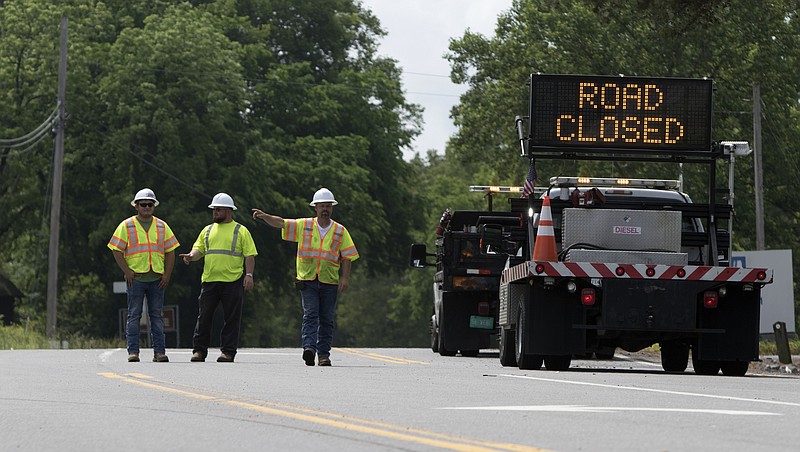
272, 220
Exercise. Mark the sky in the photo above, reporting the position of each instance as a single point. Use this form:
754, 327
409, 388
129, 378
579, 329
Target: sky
419, 33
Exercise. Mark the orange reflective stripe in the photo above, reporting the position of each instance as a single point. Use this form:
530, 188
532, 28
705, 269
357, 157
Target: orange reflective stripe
338, 234
308, 231
171, 242
349, 252
133, 237
117, 242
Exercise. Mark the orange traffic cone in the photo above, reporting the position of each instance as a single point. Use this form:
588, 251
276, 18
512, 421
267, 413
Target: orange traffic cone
544, 248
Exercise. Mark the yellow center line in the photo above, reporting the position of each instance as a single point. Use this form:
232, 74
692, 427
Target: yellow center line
378, 357
329, 419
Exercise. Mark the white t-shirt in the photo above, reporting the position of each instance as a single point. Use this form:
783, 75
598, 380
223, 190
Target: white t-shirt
323, 231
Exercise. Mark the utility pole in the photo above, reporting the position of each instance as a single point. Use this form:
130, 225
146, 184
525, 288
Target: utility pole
55, 203
759, 184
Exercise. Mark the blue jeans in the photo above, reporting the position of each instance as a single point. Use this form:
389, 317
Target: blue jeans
155, 304
319, 308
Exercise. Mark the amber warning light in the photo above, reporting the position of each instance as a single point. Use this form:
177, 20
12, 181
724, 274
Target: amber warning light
635, 114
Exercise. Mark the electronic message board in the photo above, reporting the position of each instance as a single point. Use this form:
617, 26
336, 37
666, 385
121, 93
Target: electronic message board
631, 114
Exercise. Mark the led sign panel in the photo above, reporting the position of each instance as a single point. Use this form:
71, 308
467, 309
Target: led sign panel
633, 114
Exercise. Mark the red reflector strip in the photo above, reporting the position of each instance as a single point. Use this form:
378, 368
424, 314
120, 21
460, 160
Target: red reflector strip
642, 271
476, 271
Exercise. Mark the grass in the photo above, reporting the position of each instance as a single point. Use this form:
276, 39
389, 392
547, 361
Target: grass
16, 337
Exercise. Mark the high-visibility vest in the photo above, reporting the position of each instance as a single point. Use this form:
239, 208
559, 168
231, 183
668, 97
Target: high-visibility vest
143, 250
224, 247
319, 257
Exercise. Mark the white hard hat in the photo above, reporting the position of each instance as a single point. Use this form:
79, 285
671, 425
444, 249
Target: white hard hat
222, 200
144, 193
323, 195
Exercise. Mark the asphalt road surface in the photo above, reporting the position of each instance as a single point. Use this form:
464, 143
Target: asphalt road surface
381, 399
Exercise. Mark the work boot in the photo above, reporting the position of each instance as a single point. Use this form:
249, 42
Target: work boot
160, 358
225, 358
324, 361
198, 357
133, 357
308, 356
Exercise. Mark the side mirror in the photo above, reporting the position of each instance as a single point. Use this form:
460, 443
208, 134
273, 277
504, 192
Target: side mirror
491, 239
418, 256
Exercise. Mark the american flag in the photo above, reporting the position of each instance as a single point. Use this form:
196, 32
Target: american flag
530, 180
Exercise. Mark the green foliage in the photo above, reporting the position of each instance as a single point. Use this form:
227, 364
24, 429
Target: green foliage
86, 308
266, 100
376, 313
771, 348
18, 337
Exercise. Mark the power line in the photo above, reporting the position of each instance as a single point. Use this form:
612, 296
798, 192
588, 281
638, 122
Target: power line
31, 139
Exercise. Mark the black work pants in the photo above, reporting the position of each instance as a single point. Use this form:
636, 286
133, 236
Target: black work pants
212, 294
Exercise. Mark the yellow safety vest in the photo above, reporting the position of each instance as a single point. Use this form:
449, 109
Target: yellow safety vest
319, 257
143, 250
224, 247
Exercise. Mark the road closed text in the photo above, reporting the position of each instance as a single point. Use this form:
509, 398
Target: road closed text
627, 113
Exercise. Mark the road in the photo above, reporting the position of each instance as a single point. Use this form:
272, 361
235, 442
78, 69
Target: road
381, 399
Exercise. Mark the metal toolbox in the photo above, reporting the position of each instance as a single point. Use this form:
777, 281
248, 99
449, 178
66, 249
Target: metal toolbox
618, 229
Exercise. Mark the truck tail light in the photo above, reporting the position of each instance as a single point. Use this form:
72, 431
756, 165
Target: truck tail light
587, 297
483, 308
710, 299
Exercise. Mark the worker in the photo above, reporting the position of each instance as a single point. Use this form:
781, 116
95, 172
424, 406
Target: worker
229, 253
323, 247
144, 249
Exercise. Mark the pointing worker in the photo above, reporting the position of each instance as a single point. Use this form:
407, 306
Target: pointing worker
323, 246
144, 249
229, 253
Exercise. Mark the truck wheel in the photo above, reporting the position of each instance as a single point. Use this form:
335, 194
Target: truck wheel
507, 356
525, 361
557, 362
704, 366
674, 356
442, 349
734, 368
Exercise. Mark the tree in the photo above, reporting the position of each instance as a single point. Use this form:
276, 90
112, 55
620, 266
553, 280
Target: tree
266, 100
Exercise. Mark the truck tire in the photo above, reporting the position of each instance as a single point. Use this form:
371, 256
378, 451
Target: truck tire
441, 335
525, 360
704, 366
674, 356
734, 368
507, 356
557, 362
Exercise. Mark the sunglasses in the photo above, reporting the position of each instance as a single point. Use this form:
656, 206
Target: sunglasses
145, 204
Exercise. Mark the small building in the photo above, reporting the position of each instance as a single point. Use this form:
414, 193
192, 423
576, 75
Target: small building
8, 297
